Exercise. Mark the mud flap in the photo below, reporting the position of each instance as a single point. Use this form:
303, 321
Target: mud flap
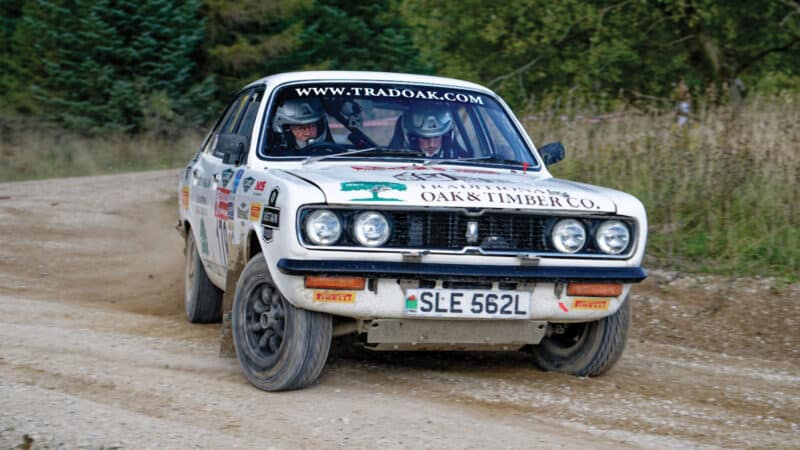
236, 264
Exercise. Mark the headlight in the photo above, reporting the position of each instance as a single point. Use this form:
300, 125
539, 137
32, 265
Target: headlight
323, 227
612, 237
569, 235
371, 229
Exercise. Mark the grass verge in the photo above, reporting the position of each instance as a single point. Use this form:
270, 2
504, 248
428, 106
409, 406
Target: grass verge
49, 154
722, 193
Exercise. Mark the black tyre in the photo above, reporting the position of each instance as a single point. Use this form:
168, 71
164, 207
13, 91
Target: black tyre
279, 347
202, 299
585, 349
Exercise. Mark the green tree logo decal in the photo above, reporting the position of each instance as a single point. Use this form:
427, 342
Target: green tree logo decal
375, 188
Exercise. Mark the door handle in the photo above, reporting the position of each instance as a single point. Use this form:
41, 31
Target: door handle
195, 174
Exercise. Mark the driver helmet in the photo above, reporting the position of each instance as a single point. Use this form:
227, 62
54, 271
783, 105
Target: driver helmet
427, 122
301, 112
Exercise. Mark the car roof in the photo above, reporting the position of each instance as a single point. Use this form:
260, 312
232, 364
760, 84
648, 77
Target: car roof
346, 75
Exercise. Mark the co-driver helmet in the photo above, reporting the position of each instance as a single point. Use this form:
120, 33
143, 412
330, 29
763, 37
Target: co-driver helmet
427, 122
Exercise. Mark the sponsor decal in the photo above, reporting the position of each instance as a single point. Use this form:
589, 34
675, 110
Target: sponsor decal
255, 211
200, 210
268, 233
476, 190
222, 204
375, 188
227, 174
590, 304
273, 197
243, 211
248, 183
203, 238
508, 199
380, 92
198, 197
260, 186
237, 179
185, 198
334, 296
411, 303
563, 307
271, 217
222, 238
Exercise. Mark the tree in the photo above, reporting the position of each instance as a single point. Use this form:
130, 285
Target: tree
96, 65
11, 80
248, 39
344, 35
527, 49
728, 40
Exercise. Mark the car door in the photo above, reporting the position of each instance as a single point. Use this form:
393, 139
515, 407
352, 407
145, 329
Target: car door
226, 178
248, 184
209, 202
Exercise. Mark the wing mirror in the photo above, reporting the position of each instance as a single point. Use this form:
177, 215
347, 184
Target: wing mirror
233, 148
551, 153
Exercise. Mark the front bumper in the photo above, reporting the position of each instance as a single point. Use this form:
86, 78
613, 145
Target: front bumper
385, 296
409, 270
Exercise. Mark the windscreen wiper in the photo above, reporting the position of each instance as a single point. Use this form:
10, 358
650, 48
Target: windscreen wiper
492, 159
382, 151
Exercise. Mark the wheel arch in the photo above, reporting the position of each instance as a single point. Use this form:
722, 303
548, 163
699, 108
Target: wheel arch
241, 253
252, 245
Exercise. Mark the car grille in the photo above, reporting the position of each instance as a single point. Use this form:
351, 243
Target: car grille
447, 230
493, 232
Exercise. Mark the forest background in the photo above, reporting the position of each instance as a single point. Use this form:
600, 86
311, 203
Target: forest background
98, 86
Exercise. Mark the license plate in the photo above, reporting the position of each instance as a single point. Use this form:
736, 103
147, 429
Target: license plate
468, 303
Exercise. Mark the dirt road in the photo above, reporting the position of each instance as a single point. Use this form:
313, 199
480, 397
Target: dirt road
95, 352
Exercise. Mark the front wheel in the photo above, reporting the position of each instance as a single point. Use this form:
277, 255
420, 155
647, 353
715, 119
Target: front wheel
279, 347
584, 349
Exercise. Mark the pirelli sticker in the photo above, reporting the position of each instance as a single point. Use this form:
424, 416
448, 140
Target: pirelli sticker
335, 296
590, 304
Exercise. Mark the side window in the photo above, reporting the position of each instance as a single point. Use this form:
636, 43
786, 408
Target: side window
229, 127
249, 116
211, 143
498, 137
467, 129
228, 122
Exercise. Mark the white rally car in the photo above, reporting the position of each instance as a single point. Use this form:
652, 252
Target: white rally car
412, 212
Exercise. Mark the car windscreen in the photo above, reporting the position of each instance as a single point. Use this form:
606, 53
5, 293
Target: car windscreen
390, 120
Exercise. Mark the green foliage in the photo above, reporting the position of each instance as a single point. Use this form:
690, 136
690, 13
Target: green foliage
95, 65
344, 35
248, 39
11, 79
530, 50
721, 193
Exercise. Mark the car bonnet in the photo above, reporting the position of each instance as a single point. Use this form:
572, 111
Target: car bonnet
450, 186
